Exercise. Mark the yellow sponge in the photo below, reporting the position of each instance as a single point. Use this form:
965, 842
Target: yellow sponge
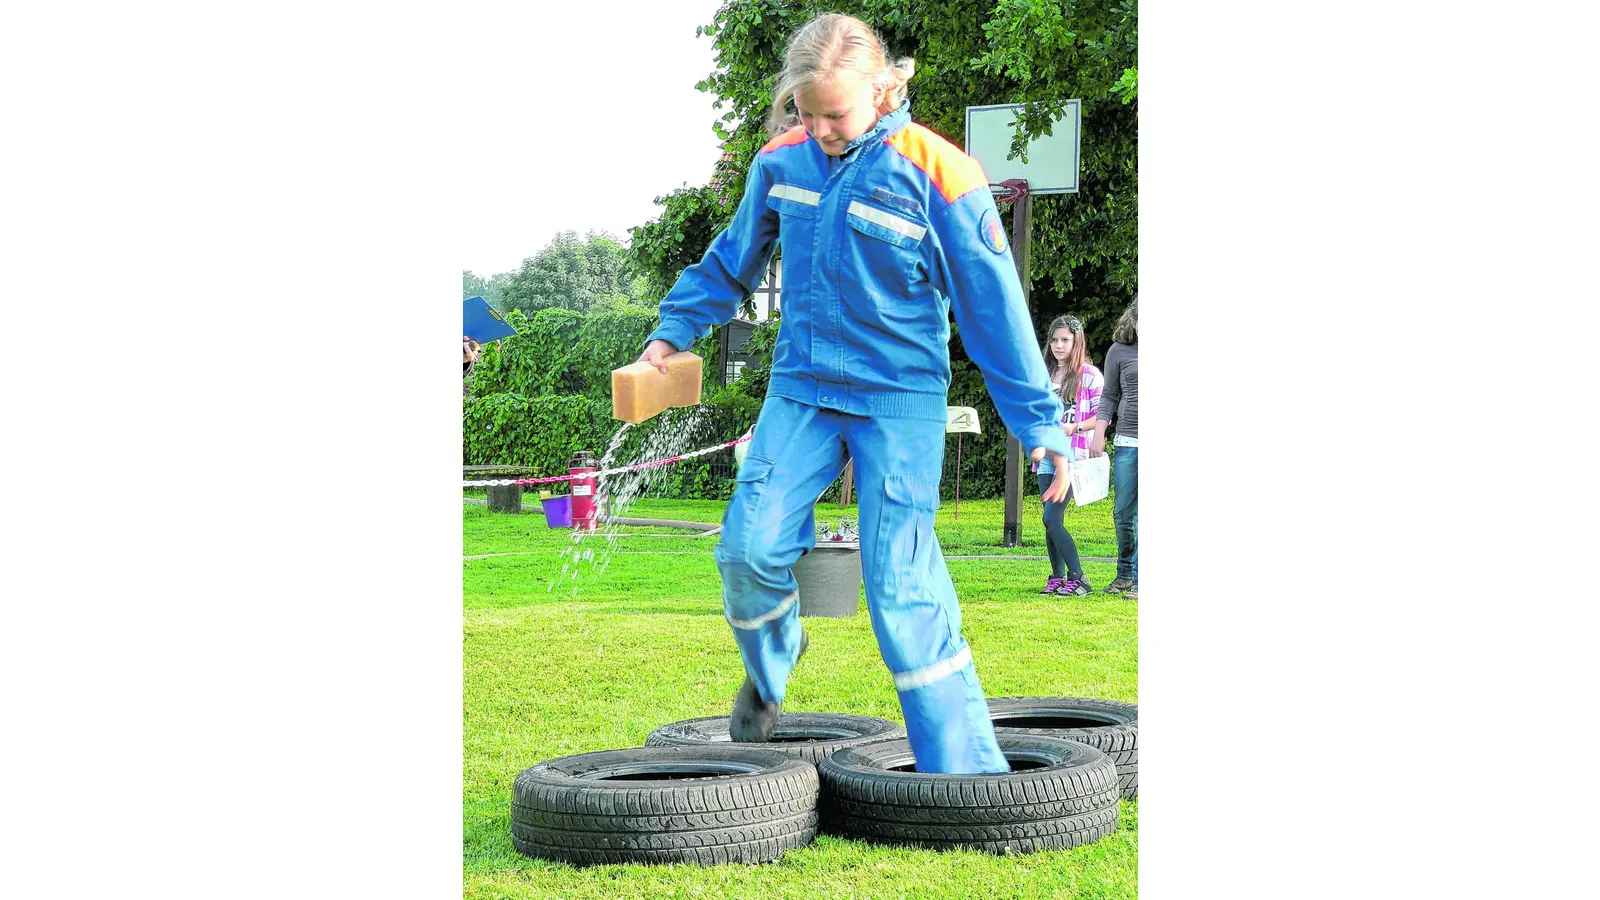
639, 391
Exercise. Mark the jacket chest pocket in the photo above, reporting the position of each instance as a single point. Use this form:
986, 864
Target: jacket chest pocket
794, 204
798, 213
887, 247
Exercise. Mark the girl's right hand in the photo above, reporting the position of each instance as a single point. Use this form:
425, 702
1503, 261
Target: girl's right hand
656, 353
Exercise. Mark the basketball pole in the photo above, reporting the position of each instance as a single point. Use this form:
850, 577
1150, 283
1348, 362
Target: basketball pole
1022, 245
991, 131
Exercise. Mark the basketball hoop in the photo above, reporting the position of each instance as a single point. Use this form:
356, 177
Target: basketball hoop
1010, 189
1052, 166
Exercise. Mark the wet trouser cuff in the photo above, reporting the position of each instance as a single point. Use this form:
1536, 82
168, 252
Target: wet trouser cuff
947, 719
769, 644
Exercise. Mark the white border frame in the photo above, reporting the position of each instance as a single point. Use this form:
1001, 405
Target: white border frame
1072, 114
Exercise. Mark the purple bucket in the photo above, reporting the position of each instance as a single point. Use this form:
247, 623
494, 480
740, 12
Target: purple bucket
558, 511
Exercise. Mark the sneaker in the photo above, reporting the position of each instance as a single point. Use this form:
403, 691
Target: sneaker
753, 720
1075, 587
1133, 592
1119, 585
1052, 585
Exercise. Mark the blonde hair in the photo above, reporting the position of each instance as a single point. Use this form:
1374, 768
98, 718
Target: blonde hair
833, 43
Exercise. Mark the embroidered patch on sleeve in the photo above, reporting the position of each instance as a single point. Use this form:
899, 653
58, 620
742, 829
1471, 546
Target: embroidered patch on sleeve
990, 230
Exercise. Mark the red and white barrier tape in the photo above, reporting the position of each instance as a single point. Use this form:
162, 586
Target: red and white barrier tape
503, 482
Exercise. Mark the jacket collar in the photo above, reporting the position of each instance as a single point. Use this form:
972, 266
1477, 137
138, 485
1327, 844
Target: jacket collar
889, 123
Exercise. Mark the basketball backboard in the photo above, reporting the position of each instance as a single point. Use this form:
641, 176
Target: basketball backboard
1052, 166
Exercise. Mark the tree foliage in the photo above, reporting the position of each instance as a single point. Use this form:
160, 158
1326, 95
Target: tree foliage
560, 351
474, 285
662, 248
570, 273
968, 52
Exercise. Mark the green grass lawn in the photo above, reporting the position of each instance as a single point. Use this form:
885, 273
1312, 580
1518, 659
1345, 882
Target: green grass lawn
975, 531
550, 672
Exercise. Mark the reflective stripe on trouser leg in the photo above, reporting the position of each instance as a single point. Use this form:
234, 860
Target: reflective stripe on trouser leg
795, 453
948, 725
914, 611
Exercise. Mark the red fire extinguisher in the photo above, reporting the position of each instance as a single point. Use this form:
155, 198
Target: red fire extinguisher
583, 468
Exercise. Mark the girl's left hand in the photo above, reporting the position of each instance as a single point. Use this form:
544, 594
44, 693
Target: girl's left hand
1057, 491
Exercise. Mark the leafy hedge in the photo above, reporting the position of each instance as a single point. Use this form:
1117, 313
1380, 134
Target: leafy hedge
543, 395
543, 433
560, 351
540, 432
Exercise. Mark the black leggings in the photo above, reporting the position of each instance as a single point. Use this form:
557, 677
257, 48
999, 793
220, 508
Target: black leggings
1063, 552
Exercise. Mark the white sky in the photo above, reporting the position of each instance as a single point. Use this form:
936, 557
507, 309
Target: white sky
586, 111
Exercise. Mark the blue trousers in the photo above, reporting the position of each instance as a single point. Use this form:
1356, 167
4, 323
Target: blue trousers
1125, 510
796, 452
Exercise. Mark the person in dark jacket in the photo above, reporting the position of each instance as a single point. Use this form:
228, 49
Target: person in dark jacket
1121, 399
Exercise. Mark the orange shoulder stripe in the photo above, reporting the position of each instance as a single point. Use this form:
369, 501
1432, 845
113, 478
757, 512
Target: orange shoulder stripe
795, 135
953, 172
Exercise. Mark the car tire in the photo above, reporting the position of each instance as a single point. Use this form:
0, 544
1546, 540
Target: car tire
1110, 726
702, 804
1059, 794
809, 736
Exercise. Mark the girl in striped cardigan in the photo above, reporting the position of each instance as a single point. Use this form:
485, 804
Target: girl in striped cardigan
1078, 383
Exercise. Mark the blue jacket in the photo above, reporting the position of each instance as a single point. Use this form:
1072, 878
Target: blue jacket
879, 245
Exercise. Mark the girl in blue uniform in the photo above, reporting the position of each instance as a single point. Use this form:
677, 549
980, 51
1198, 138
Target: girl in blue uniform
886, 229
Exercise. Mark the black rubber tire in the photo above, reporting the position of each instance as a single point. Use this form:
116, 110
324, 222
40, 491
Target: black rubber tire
1014, 837
1110, 726
810, 736
1060, 794
702, 804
